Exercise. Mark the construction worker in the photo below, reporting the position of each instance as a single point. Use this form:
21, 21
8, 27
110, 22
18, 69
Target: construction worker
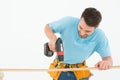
81, 38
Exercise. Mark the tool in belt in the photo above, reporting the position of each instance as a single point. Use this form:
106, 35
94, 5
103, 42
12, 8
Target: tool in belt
58, 63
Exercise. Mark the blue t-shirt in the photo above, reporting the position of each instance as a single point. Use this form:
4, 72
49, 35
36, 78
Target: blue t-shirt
77, 49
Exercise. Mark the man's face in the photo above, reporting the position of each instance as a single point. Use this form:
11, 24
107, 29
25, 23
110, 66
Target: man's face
85, 30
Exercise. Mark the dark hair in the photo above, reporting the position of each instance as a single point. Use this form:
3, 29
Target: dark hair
91, 16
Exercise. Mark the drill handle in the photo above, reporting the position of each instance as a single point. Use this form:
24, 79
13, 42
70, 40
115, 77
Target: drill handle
59, 46
59, 49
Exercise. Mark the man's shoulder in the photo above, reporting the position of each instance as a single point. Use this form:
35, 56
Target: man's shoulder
100, 34
71, 18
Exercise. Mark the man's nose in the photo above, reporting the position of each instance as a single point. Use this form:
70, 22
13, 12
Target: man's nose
82, 32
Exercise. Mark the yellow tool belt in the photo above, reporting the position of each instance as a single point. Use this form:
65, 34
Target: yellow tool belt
79, 74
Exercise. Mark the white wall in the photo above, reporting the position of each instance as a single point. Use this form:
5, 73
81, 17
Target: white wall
22, 34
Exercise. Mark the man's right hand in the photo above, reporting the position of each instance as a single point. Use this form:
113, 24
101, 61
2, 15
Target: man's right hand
51, 36
51, 45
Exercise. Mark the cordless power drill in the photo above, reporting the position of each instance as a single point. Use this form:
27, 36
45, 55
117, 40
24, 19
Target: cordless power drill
59, 50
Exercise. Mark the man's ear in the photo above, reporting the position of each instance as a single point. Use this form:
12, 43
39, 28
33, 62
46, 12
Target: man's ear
97, 26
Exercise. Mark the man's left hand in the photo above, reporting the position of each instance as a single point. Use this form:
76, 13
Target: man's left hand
103, 65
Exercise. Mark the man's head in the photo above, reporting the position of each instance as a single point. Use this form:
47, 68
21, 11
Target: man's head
90, 20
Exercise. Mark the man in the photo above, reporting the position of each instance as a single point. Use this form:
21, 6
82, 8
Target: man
81, 38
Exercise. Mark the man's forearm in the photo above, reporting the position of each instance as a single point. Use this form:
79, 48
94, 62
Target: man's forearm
49, 33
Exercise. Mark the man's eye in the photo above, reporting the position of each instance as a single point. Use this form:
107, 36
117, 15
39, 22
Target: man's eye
80, 28
88, 31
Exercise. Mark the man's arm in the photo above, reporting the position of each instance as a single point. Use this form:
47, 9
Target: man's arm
105, 64
51, 36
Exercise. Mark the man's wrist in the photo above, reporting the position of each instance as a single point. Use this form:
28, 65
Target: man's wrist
109, 61
53, 39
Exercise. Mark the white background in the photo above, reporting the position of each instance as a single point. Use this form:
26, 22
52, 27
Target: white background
22, 34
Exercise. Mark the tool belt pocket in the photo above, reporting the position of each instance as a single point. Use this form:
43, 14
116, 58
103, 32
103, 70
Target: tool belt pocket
55, 74
82, 73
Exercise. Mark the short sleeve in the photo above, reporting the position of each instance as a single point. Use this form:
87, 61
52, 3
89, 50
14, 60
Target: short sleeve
59, 25
103, 47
